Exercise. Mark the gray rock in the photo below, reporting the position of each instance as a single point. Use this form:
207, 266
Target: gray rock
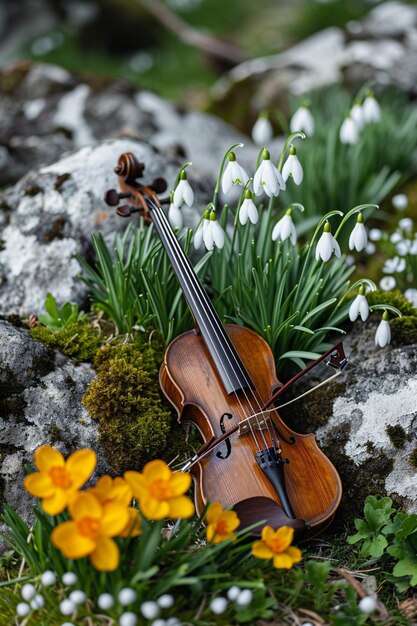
40, 403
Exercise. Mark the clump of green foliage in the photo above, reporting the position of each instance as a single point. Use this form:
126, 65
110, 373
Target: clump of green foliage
57, 317
135, 423
384, 533
78, 340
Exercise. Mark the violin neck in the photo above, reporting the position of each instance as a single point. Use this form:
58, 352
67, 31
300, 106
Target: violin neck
228, 364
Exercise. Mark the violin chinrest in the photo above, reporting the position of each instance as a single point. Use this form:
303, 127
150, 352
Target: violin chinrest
257, 508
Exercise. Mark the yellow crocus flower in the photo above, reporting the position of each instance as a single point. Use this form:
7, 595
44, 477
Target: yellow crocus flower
275, 544
160, 491
57, 480
108, 489
90, 531
220, 524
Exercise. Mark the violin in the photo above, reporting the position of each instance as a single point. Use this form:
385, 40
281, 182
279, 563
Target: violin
222, 379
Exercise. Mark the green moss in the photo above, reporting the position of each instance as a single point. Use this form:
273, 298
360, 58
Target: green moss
394, 298
412, 458
135, 423
404, 330
307, 417
79, 340
397, 435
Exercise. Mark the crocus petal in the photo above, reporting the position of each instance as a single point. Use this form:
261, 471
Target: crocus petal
294, 553
156, 470
47, 457
133, 526
180, 483
154, 509
214, 511
137, 483
55, 504
114, 520
261, 550
227, 178
81, 465
105, 557
283, 538
85, 505
180, 508
282, 561
39, 485
267, 534
70, 542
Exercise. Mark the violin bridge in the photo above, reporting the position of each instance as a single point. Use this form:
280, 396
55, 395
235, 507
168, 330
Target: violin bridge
258, 421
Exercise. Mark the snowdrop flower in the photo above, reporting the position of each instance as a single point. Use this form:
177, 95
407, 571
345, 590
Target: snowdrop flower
175, 216
359, 306
267, 177
394, 265
292, 167
69, 579
285, 229
244, 598
406, 224
302, 120
159, 622
400, 201
218, 605
234, 174
387, 283
370, 248
375, 234
396, 237
22, 609
349, 131
358, 239
67, 607
38, 602
327, 244
248, 209
262, 131
233, 592
403, 247
213, 234
368, 603
77, 597
28, 592
149, 609
411, 295
356, 114
370, 109
173, 621
128, 619
166, 601
126, 596
183, 191
105, 601
199, 233
48, 578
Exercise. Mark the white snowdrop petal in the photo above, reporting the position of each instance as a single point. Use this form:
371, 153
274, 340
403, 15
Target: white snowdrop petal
77, 596
370, 248
368, 604
198, 236
253, 212
218, 605
244, 598
28, 592
262, 131
233, 592
48, 578
375, 234
406, 223
175, 216
270, 181
400, 201
363, 308
244, 212
67, 607
227, 179
354, 309
286, 169
38, 602
297, 172
178, 195
69, 579
360, 237
149, 609
371, 110
349, 133
403, 248
387, 283
208, 235
257, 179
302, 120
188, 193
324, 247
218, 234
411, 295
357, 115
239, 176
105, 601
22, 609
336, 248
128, 619
166, 601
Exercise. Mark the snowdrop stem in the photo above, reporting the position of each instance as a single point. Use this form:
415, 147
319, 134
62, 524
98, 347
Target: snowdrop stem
286, 144
180, 171
357, 284
223, 163
386, 307
356, 209
296, 205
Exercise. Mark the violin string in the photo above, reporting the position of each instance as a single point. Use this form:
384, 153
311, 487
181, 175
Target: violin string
169, 233
198, 287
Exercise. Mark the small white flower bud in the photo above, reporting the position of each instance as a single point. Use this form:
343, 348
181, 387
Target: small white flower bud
67, 607
38, 602
233, 593
244, 598
127, 596
166, 601
368, 604
149, 609
22, 609
105, 601
28, 591
77, 596
128, 619
48, 578
159, 622
69, 579
400, 201
218, 605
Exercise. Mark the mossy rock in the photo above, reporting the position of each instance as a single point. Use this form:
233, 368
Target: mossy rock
135, 423
79, 340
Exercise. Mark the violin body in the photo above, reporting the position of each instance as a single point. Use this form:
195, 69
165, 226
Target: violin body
230, 474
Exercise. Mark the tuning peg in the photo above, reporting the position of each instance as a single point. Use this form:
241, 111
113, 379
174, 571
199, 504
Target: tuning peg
112, 197
125, 210
159, 185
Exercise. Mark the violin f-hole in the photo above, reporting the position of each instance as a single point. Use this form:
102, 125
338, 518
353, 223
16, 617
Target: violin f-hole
220, 454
